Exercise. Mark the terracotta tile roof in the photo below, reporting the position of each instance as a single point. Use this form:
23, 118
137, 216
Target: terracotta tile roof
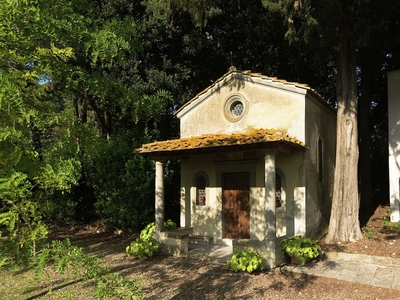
208, 141
258, 75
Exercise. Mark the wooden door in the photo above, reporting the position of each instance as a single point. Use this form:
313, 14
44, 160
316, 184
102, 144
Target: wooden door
236, 205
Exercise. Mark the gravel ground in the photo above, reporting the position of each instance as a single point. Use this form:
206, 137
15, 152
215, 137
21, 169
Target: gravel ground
184, 278
187, 278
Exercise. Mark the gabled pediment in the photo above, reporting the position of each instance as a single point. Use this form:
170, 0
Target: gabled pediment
237, 80
241, 101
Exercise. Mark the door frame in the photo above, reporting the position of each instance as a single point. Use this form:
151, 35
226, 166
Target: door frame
232, 166
237, 211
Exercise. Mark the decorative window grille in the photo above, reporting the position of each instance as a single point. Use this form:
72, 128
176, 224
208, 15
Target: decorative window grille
201, 191
278, 191
237, 108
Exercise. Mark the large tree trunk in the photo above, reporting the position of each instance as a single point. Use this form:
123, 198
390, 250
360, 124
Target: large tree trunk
344, 224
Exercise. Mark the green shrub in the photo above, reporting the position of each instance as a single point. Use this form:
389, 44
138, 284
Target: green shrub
301, 248
169, 225
392, 225
386, 220
246, 260
145, 245
369, 234
147, 232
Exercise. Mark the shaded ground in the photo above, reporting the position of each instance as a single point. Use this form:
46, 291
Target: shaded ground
380, 238
184, 278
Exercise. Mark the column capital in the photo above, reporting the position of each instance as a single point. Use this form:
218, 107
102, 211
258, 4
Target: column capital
160, 159
270, 151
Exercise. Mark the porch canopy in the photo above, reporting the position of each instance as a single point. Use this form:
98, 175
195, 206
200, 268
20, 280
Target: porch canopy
255, 139
270, 141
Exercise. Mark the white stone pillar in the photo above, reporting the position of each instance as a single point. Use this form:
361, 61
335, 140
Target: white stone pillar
270, 195
159, 212
394, 146
300, 211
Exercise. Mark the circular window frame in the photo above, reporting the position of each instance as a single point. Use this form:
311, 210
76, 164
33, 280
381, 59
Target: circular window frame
228, 108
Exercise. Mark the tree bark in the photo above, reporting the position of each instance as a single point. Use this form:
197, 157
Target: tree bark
103, 122
344, 223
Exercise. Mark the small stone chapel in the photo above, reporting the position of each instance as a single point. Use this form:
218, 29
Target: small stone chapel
257, 159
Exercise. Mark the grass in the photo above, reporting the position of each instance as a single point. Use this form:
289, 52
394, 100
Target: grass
25, 284
391, 225
369, 234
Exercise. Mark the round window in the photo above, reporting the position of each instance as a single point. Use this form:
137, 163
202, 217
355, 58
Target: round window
235, 108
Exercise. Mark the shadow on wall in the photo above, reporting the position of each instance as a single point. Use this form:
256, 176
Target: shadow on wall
207, 219
394, 165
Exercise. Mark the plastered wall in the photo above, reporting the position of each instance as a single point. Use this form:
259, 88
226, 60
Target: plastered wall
266, 107
320, 124
208, 220
394, 143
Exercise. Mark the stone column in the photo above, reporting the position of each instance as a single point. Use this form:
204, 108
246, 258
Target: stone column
159, 212
270, 196
300, 211
394, 146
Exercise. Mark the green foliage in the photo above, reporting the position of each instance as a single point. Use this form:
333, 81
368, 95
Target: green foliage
369, 234
392, 225
64, 257
114, 286
20, 215
169, 225
71, 260
145, 244
200, 10
123, 184
298, 17
143, 247
147, 232
246, 261
301, 248
386, 220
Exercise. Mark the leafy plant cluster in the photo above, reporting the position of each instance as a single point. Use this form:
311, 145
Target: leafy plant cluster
169, 225
145, 244
301, 248
71, 260
391, 225
368, 234
246, 261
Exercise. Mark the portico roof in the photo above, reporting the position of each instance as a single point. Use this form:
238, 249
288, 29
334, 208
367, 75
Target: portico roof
254, 139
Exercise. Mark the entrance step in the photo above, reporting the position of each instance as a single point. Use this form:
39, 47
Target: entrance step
200, 239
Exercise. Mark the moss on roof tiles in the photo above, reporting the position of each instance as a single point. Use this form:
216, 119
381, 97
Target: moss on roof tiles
217, 140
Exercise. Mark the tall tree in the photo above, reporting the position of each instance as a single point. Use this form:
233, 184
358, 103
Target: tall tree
344, 26
54, 61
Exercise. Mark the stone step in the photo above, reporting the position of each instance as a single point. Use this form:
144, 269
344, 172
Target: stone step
200, 239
